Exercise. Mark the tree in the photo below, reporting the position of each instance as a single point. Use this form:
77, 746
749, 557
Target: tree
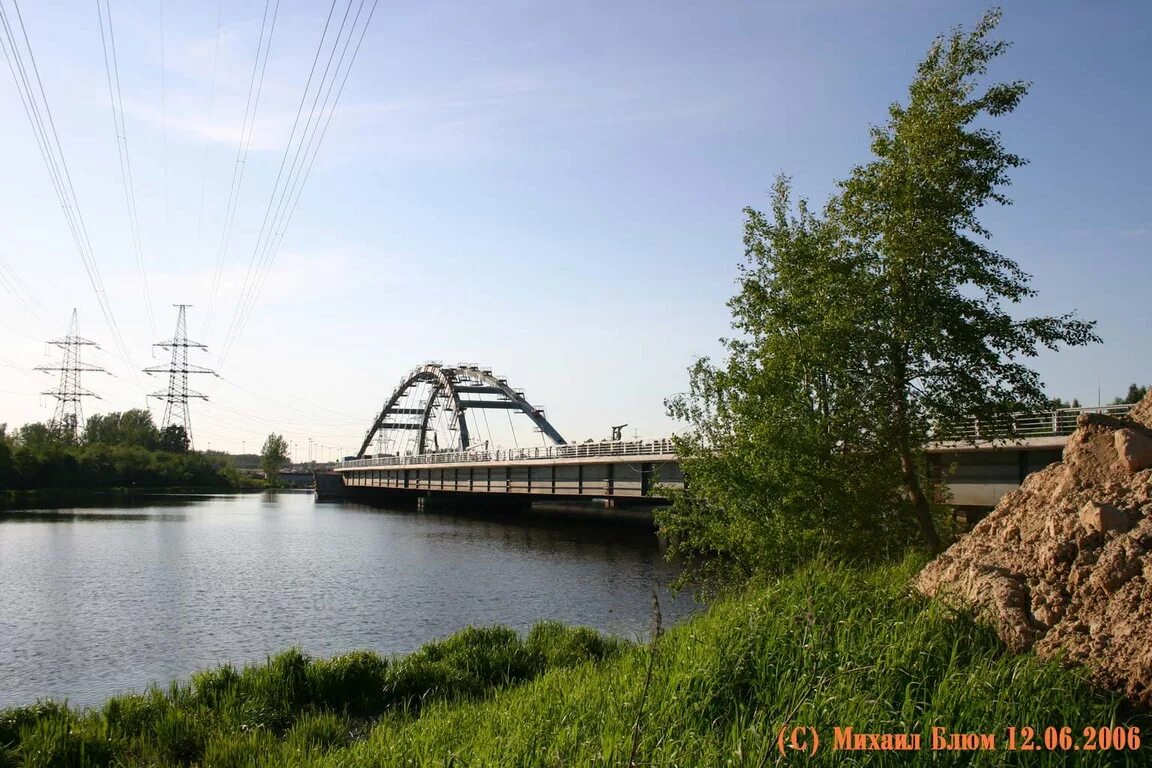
174, 439
273, 456
782, 458
44, 437
5, 456
861, 330
131, 427
941, 346
1134, 395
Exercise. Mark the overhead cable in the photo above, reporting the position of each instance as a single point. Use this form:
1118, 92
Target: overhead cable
255, 86
39, 114
284, 199
112, 70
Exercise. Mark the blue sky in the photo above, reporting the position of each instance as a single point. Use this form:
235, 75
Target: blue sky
552, 190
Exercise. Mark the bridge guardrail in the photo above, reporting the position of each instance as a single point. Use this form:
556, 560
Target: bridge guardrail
661, 447
1061, 421
1057, 422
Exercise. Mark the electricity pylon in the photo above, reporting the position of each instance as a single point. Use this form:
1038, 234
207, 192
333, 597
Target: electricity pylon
69, 392
178, 394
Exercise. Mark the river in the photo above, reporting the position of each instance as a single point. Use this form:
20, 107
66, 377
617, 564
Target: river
104, 600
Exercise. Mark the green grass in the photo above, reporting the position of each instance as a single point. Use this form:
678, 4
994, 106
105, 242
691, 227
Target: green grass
828, 646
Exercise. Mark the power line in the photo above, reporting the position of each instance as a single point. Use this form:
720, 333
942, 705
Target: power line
295, 185
178, 394
69, 414
283, 200
211, 115
39, 114
254, 87
164, 117
20, 292
284, 158
327, 412
116, 98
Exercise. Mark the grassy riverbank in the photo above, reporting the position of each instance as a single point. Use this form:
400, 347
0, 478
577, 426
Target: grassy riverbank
827, 647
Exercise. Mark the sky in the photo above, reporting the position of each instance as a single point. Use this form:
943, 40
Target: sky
552, 190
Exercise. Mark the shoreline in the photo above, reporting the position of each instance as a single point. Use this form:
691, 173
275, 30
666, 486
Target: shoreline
52, 498
842, 650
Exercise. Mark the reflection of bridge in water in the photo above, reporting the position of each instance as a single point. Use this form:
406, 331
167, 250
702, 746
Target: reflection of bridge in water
429, 446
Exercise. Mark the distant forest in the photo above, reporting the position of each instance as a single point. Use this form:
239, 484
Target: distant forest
113, 450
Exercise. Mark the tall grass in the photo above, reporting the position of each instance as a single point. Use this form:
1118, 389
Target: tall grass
828, 646
291, 708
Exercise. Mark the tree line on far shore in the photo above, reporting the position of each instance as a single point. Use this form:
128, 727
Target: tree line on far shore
114, 450
1134, 395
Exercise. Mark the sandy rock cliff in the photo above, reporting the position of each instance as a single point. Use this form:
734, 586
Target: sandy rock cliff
1064, 564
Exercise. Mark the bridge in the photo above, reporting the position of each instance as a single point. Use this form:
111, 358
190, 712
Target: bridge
429, 446
433, 439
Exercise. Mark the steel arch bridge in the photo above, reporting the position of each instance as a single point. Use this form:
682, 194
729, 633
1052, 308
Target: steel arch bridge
435, 395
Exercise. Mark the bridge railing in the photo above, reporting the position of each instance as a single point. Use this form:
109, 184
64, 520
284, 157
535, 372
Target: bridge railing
608, 448
1057, 422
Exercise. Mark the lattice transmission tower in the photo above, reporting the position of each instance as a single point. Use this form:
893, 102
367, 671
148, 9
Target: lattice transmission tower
178, 394
69, 413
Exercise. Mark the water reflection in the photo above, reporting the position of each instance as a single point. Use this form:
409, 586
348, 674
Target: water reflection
122, 597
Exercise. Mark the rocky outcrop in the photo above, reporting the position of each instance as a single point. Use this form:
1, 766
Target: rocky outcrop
1064, 564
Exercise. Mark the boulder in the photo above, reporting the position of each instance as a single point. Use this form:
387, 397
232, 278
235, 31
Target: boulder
1103, 517
1133, 448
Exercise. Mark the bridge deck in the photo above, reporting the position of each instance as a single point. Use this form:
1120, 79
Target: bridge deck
980, 471
606, 476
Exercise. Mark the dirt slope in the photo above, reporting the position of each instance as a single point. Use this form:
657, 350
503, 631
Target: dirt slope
1064, 564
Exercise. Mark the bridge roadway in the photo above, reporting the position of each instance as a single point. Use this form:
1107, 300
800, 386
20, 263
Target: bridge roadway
617, 470
980, 471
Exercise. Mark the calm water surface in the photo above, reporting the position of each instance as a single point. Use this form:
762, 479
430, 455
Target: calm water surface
99, 601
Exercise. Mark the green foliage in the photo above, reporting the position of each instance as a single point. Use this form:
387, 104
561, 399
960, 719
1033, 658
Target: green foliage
783, 459
940, 346
123, 450
132, 427
553, 644
5, 457
351, 683
828, 646
1134, 395
174, 438
273, 457
45, 437
860, 329
57, 742
462, 665
292, 708
317, 733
